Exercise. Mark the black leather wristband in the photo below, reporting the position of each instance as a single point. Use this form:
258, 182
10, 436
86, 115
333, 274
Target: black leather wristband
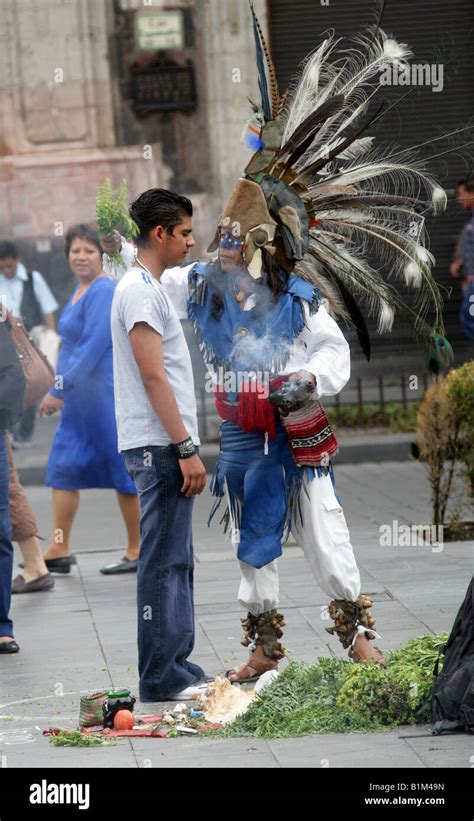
185, 449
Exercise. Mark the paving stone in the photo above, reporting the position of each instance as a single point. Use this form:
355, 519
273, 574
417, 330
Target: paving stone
351, 750
245, 753
443, 750
83, 634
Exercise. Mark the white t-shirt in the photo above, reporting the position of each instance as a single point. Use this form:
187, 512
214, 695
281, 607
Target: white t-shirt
141, 298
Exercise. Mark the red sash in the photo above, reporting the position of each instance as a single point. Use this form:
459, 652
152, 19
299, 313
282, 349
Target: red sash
310, 435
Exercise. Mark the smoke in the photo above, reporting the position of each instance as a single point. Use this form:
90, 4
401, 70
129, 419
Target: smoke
261, 348
252, 352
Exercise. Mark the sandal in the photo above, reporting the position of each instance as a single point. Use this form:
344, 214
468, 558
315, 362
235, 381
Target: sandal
250, 672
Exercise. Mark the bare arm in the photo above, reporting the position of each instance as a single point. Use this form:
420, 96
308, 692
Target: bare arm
147, 347
455, 267
50, 321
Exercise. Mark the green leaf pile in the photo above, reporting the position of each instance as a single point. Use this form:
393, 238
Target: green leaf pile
74, 738
338, 696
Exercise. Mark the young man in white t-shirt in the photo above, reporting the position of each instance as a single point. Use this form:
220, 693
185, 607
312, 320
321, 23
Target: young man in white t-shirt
158, 436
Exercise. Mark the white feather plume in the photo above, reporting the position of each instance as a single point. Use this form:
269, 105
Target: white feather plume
439, 199
358, 147
413, 274
386, 318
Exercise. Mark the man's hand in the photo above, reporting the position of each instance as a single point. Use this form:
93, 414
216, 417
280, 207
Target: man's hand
194, 475
49, 405
111, 243
455, 267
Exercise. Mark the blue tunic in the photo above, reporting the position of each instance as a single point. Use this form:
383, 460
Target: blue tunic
262, 483
84, 452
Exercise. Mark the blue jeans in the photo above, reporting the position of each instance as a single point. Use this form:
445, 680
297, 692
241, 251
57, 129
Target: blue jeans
165, 574
6, 547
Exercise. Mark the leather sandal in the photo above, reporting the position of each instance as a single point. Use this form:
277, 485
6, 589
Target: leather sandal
250, 672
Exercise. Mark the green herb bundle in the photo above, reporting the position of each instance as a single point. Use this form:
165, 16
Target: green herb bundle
112, 214
338, 696
74, 738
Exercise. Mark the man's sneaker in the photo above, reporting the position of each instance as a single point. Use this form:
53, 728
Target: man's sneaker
193, 691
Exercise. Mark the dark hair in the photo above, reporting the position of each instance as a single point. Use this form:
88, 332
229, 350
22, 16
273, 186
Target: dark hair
8, 249
157, 206
82, 231
274, 278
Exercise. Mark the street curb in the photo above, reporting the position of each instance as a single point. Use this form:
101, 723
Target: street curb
396, 448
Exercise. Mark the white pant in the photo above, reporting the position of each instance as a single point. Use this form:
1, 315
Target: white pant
324, 537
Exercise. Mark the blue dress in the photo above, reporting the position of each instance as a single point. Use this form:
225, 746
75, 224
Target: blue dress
84, 453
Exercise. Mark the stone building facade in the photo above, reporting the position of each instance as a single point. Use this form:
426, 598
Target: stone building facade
69, 118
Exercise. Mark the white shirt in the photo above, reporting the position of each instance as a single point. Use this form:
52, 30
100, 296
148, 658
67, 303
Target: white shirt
11, 291
140, 298
320, 349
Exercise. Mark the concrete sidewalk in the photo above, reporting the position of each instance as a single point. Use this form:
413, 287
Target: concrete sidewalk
81, 636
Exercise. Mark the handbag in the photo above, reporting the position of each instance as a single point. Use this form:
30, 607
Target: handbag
39, 374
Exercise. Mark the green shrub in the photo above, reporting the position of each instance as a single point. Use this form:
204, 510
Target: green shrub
394, 416
445, 435
461, 393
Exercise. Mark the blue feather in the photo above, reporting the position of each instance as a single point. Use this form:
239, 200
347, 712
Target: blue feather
254, 142
262, 78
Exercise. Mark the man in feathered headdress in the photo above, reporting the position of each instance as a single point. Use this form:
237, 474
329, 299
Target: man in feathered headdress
292, 240
270, 331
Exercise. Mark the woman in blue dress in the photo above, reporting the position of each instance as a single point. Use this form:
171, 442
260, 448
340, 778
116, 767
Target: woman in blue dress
84, 452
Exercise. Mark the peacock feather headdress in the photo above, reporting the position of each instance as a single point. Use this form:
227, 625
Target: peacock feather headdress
350, 216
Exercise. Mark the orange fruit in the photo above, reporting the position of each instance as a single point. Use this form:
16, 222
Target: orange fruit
123, 720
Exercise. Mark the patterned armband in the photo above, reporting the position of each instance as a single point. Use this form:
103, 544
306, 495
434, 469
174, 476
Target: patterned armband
185, 449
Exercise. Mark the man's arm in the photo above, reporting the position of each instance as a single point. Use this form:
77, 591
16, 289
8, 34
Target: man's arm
328, 352
45, 299
175, 280
147, 347
50, 321
458, 261
455, 267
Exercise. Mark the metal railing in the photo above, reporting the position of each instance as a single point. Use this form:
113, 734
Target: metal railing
377, 392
